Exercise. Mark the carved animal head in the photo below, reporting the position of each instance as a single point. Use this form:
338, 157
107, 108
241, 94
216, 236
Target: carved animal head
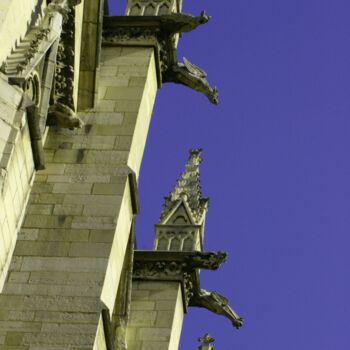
213, 96
203, 18
237, 323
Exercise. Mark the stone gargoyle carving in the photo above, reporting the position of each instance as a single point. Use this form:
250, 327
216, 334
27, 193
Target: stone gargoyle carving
62, 116
206, 342
217, 303
190, 75
183, 22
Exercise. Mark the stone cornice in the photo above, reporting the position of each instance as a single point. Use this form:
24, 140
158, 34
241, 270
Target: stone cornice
182, 267
161, 32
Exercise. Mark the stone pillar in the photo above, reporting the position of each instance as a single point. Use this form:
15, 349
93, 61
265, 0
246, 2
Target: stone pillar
68, 257
156, 316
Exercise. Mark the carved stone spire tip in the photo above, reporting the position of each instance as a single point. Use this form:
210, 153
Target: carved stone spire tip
187, 188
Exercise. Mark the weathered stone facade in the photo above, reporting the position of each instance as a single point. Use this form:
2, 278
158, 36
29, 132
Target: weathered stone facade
76, 96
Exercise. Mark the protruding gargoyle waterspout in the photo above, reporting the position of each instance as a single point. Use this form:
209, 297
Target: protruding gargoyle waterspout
183, 22
190, 75
217, 303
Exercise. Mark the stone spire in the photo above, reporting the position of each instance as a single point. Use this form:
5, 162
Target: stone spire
188, 190
181, 223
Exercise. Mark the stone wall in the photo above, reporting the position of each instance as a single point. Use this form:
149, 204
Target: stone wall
156, 316
69, 254
16, 170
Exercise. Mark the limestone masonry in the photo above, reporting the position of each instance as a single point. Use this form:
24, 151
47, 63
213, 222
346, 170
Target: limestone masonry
77, 89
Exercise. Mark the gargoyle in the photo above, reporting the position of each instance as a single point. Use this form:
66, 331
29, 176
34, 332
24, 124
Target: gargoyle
183, 22
62, 116
217, 303
190, 75
206, 342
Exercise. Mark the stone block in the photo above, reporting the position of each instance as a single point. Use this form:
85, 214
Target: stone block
93, 199
143, 318
59, 339
123, 93
21, 315
28, 234
99, 210
164, 293
64, 317
93, 222
68, 328
114, 188
105, 106
164, 319
120, 130
53, 169
60, 209
13, 338
124, 143
142, 305
108, 71
112, 81
137, 81
124, 105
69, 156
40, 221
90, 249
61, 303
102, 118
19, 325
155, 345
42, 209
102, 236
79, 178
30, 248
155, 334
106, 157
140, 294
93, 142
134, 345
136, 51
18, 277
70, 264
81, 188
164, 305
47, 198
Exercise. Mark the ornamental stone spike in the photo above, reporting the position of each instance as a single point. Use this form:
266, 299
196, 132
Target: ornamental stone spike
188, 189
206, 342
181, 224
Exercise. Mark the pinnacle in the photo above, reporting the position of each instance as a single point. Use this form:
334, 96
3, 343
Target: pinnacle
188, 188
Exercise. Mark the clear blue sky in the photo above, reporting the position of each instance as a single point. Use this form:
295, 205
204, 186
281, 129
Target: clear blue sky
276, 168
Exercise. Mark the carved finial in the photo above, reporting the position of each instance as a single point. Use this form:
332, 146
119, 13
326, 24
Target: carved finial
206, 342
188, 189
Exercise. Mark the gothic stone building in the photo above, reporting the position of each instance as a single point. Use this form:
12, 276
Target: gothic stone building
77, 88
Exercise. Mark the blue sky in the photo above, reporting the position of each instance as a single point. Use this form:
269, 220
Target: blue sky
276, 168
